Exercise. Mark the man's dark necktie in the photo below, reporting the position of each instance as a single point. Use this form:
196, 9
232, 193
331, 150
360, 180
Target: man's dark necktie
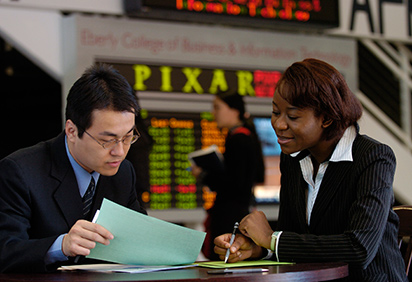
88, 198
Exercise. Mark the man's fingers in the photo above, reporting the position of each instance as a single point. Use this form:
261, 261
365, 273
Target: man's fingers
93, 232
83, 236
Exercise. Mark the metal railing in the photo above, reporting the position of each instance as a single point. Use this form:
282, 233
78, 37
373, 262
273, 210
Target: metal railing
398, 61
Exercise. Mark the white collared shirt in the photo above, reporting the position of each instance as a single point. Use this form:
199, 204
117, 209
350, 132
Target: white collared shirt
342, 152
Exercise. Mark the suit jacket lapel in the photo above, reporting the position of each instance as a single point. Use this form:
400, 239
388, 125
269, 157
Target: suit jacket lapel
331, 183
300, 191
301, 203
67, 194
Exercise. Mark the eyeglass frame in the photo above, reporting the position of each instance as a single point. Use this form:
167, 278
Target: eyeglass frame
117, 140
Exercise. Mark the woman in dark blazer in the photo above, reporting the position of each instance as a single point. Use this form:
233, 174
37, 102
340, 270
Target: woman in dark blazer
336, 187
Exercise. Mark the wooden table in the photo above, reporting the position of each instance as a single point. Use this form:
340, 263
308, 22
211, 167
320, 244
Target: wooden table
298, 272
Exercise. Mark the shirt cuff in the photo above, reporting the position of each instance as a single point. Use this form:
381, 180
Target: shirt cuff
55, 252
269, 255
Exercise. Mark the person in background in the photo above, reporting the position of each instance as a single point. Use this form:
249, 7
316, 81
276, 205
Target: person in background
243, 168
336, 192
49, 192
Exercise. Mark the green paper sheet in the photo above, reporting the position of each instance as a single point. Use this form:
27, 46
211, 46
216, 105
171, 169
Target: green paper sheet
222, 264
143, 240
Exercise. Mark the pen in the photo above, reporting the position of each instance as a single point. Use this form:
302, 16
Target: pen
96, 215
232, 238
241, 270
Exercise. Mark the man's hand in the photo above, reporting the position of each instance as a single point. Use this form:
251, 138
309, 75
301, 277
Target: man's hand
241, 249
83, 236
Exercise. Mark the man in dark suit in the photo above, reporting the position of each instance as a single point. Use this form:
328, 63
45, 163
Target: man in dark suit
50, 192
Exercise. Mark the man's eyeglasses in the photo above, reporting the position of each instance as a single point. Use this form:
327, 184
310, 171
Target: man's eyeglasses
126, 140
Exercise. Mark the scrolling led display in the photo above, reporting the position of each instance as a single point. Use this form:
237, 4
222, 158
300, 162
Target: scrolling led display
323, 13
196, 80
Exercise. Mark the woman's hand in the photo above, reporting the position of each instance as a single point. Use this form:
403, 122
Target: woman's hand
256, 226
241, 249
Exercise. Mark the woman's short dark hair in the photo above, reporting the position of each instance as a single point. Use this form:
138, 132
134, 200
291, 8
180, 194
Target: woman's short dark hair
100, 87
235, 101
315, 84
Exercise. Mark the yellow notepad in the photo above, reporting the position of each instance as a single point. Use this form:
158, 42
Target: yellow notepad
222, 264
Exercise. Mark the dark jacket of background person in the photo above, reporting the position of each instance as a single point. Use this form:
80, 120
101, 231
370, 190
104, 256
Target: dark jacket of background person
244, 167
352, 219
40, 202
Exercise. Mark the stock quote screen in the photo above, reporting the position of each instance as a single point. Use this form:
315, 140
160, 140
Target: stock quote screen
172, 184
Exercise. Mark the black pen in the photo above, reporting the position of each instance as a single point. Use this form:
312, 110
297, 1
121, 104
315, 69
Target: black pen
232, 238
